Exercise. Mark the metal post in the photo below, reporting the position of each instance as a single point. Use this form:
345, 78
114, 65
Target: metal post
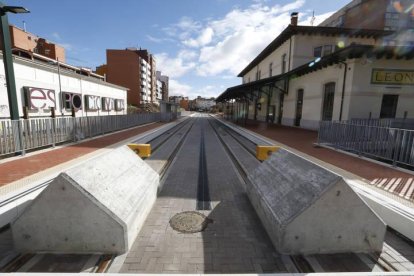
8, 66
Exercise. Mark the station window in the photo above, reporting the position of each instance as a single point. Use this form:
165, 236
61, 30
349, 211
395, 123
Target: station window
283, 63
270, 69
258, 73
328, 101
317, 51
327, 49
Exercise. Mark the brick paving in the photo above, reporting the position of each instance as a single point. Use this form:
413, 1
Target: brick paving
234, 243
387, 178
19, 168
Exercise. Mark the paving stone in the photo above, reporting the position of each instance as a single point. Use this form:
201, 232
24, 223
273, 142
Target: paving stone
228, 245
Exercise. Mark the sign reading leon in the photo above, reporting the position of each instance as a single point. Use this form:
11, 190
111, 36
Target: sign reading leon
39, 98
392, 76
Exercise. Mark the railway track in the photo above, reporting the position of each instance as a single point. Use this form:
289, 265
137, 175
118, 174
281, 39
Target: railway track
300, 263
169, 145
15, 262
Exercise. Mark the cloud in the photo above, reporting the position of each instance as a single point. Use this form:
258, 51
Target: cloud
178, 89
67, 46
184, 29
56, 36
203, 39
158, 40
173, 67
224, 46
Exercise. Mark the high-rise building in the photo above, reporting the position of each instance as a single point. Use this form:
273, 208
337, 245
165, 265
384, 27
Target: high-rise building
135, 69
164, 85
394, 15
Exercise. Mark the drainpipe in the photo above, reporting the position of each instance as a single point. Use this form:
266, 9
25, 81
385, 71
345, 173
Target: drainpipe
343, 89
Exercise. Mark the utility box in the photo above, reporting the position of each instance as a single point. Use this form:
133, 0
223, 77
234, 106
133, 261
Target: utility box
263, 152
143, 150
307, 209
96, 207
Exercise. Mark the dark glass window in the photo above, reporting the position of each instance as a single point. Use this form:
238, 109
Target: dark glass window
317, 51
270, 69
327, 49
283, 63
328, 101
299, 105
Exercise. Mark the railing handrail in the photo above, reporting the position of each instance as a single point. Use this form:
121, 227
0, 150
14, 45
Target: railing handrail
387, 143
24, 134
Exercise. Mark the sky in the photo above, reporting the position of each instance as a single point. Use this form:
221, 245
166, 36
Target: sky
201, 45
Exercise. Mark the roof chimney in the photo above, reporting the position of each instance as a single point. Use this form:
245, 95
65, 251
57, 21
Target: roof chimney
294, 18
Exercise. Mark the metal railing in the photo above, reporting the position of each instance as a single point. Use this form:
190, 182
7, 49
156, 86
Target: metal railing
22, 135
384, 143
403, 123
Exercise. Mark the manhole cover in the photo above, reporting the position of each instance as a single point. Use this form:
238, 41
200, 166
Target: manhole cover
189, 222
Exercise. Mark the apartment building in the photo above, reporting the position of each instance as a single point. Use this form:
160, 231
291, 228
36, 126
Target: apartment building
135, 69
395, 15
176, 99
164, 85
308, 74
25, 44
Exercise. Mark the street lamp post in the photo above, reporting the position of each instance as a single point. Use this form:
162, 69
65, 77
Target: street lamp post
8, 59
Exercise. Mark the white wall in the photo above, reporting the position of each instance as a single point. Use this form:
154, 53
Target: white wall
36, 74
276, 58
367, 97
313, 91
304, 45
302, 52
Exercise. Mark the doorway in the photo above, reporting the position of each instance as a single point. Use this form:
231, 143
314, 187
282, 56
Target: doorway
299, 104
280, 109
271, 115
389, 106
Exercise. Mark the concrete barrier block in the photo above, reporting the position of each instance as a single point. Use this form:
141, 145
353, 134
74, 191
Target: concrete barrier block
307, 209
97, 206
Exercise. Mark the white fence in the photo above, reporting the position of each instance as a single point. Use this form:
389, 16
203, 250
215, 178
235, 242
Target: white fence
21, 135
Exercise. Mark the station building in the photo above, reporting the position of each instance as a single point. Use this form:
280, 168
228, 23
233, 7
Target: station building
45, 86
309, 74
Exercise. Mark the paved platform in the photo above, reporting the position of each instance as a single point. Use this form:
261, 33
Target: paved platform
382, 176
19, 167
235, 242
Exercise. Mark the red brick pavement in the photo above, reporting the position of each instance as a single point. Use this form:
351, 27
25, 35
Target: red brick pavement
389, 179
25, 166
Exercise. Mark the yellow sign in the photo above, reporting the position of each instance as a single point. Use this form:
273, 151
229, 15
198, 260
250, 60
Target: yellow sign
392, 76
